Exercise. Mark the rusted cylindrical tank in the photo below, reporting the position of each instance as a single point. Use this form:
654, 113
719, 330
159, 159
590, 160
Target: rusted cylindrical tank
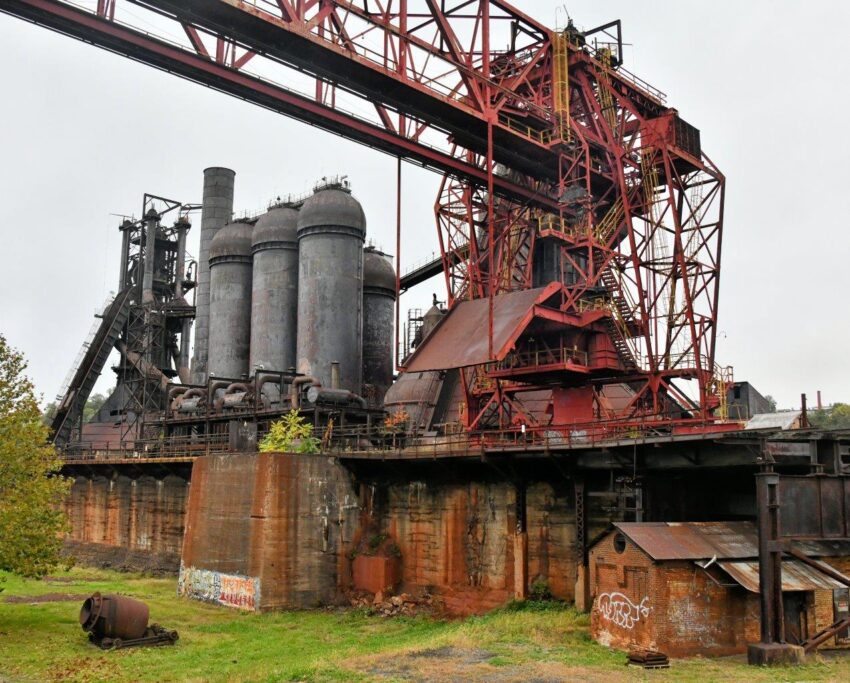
378, 317
215, 214
331, 232
114, 616
274, 294
230, 301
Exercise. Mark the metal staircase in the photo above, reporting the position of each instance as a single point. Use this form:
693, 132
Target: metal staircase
622, 324
92, 358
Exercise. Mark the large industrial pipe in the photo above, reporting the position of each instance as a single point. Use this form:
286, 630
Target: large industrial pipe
190, 401
216, 212
174, 392
151, 228
213, 387
233, 396
334, 396
126, 225
295, 388
263, 378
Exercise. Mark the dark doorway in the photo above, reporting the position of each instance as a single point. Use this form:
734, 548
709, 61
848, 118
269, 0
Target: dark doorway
794, 606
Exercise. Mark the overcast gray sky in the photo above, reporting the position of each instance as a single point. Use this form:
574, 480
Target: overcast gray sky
85, 133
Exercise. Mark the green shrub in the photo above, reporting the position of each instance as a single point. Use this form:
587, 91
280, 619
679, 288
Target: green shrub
539, 590
290, 434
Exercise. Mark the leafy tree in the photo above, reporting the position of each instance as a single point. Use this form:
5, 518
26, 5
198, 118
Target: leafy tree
836, 416
290, 434
49, 412
94, 404
771, 402
31, 521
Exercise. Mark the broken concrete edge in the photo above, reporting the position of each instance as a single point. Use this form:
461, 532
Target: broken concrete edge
775, 654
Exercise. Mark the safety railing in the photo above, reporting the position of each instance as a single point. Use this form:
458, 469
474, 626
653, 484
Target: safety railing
375, 441
553, 223
519, 438
544, 136
537, 358
142, 449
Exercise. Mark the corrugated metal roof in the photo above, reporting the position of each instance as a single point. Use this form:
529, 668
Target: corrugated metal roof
796, 576
723, 540
460, 339
693, 540
783, 420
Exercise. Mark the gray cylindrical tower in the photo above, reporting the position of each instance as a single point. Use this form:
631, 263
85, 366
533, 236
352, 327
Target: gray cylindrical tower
216, 212
379, 284
331, 232
274, 296
230, 301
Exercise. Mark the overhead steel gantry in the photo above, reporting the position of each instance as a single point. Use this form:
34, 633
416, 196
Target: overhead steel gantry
546, 143
401, 83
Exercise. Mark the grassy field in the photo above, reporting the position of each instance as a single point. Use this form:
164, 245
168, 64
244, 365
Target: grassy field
40, 640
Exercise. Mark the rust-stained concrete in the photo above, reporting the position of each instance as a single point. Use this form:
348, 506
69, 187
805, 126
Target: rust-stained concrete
286, 520
294, 522
127, 523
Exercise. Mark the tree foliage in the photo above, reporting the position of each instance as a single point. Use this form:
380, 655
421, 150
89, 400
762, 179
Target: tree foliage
94, 404
31, 520
771, 403
290, 434
836, 416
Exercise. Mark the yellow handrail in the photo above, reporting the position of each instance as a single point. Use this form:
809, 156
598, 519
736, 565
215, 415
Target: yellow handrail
561, 85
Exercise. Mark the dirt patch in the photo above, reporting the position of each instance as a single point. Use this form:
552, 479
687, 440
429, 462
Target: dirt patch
47, 597
475, 665
86, 669
468, 656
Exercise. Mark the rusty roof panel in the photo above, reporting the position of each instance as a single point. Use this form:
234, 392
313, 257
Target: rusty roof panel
796, 576
693, 540
460, 339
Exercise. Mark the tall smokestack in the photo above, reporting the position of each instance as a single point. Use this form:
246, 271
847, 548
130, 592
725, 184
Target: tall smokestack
217, 210
820, 405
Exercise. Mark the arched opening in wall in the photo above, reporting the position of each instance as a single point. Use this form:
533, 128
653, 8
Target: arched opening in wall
619, 543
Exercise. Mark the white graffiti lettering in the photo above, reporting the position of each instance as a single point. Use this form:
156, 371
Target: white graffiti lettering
619, 609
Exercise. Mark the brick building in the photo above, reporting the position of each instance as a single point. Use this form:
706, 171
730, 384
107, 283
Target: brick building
692, 588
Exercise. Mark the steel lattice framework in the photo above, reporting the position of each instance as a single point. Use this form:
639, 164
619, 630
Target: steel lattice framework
546, 144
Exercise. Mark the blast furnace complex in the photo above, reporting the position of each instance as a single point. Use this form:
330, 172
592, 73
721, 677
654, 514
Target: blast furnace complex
556, 420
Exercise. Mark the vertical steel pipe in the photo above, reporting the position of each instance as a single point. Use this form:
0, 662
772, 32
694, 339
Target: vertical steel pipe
216, 211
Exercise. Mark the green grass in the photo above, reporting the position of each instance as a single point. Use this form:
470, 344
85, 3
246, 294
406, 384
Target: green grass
44, 642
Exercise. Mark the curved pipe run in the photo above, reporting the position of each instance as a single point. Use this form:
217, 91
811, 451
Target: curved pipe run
295, 388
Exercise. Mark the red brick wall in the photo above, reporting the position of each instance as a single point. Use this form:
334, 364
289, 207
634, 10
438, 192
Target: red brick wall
696, 616
621, 591
688, 614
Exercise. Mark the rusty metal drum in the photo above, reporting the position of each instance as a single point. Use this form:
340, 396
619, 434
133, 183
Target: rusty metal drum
114, 616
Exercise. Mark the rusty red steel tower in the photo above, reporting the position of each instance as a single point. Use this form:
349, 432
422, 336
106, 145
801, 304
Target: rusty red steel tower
579, 219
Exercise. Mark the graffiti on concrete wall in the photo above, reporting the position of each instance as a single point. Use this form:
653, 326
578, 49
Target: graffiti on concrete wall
620, 610
231, 590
